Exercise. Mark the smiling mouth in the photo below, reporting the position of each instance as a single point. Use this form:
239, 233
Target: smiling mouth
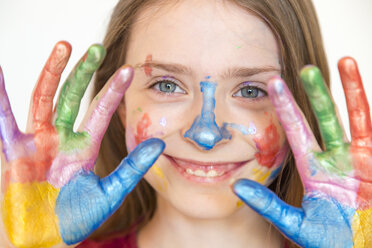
205, 171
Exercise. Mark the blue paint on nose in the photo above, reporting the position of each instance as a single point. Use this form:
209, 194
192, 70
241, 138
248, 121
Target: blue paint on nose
204, 130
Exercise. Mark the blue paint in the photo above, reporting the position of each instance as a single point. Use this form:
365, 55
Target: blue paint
87, 201
321, 222
204, 130
275, 173
243, 129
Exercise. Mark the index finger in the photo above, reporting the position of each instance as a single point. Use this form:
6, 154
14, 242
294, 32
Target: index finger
356, 101
8, 125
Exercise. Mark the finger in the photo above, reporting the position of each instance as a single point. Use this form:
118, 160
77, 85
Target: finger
298, 132
323, 107
74, 88
8, 126
286, 218
357, 103
119, 183
106, 102
46, 87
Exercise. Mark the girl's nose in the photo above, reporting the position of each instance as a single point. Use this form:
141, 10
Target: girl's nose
204, 130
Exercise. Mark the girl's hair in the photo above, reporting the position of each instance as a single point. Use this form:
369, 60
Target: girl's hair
298, 34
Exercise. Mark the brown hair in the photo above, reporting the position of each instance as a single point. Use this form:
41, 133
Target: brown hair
296, 26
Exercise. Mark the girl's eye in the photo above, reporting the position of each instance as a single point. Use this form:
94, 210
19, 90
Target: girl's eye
250, 92
168, 87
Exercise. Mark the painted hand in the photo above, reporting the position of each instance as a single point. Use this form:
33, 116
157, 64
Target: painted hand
337, 206
49, 193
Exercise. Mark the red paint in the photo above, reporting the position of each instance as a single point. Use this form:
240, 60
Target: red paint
362, 163
268, 146
142, 128
147, 67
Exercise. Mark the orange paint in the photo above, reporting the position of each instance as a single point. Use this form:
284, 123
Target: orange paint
268, 146
142, 128
35, 167
147, 67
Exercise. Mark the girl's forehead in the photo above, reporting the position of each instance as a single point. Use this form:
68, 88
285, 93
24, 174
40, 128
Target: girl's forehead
201, 32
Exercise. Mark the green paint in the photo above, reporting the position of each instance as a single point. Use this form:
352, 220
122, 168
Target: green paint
337, 161
139, 109
71, 141
71, 94
323, 107
96, 98
237, 47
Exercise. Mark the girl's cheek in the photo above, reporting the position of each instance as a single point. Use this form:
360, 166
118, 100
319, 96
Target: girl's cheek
272, 149
145, 126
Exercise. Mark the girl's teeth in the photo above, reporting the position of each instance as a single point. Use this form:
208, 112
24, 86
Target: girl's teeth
200, 173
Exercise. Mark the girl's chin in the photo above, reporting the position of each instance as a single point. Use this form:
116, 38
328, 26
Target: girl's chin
201, 206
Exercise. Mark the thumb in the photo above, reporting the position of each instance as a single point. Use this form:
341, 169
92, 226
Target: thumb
285, 217
130, 171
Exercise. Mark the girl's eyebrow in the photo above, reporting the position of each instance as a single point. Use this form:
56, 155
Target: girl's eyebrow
233, 72
170, 67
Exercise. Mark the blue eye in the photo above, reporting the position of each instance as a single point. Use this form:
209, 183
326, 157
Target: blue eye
167, 86
250, 92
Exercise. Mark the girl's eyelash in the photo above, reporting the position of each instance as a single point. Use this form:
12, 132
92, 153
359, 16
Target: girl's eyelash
165, 79
252, 85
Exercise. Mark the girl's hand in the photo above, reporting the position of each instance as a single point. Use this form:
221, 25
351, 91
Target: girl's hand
49, 193
337, 206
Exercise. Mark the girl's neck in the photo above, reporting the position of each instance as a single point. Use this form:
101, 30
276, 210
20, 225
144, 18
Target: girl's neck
170, 228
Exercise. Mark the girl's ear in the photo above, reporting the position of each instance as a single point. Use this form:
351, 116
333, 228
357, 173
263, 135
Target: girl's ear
122, 112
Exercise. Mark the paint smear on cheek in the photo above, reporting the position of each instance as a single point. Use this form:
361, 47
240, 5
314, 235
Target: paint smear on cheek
268, 146
147, 67
163, 122
239, 204
142, 129
34, 212
159, 173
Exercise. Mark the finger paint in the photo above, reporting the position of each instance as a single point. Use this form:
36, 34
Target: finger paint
142, 129
260, 175
46, 87
147, 68
35, 212
73, 90
204, 130
163, 122
268, 146
8, 126
322, 106
241, 128
160, 174
362, 228
357, 103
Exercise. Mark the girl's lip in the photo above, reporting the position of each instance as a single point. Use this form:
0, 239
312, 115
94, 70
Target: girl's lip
218, 171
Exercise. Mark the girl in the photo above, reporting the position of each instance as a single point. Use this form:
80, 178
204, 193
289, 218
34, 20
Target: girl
208, 79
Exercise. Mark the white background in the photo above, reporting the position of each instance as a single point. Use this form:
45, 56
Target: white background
29, 30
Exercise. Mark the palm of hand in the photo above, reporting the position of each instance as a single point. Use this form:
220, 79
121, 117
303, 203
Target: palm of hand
49, 193
337, 205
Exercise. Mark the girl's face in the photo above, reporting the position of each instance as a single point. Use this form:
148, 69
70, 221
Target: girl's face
201, 73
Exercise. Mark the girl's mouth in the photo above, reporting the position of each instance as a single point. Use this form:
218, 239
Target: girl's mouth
205, 172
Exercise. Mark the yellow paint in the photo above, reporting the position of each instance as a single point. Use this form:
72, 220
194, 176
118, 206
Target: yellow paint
362, 228
28, 214
239, 203
260, 176
158, 171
